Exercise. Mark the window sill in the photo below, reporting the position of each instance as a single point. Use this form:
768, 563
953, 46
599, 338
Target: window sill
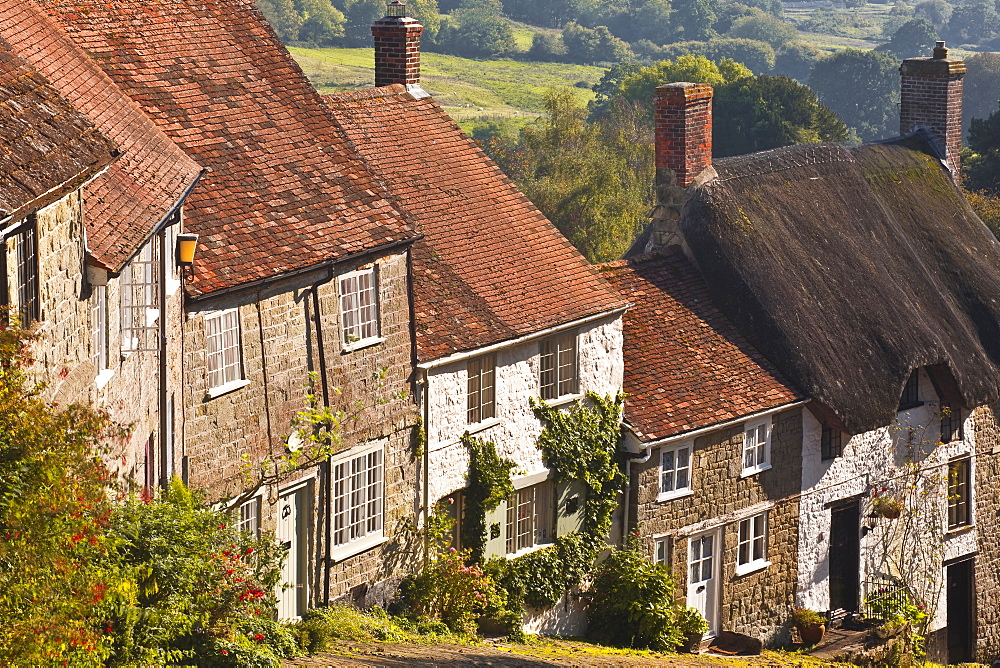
564, 399
103, 377
752, 567
676, 494
231, 386
528, 550
959, 530
746, 473
363, 343
172, 285
482, 426
355, 548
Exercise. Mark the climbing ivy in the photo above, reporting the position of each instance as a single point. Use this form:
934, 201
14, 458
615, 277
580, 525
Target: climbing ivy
489, 484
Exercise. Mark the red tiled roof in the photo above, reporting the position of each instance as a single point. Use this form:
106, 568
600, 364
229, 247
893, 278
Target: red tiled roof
490, 267
284, 191
686, 366
140, 188
46, 146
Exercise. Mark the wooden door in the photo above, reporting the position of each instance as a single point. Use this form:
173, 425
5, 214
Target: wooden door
845, 556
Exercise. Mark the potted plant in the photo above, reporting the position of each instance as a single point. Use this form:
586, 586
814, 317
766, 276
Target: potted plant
810, 624
692, 628
888, 507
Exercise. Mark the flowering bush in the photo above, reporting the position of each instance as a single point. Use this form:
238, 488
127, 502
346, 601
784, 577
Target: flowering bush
449, 590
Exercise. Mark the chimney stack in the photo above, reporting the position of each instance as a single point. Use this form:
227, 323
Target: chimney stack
397, 48
683, 117
932, 98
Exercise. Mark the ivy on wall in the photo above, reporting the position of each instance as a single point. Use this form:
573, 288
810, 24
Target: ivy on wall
580, 445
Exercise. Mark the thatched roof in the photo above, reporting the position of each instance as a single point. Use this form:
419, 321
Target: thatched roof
850, 267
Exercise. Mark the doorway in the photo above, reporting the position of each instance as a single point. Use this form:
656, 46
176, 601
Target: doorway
845, 555
703, 577
291, 531
961, 617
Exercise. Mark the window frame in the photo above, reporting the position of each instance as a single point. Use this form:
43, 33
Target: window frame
138, 287
831, 443
663, 550
910, 397
346, 310
27, 273
100, 350
221, 385
355, 513
478, 409
676, 491
553, 384
752, 532
541, 531
247, 517
761, 454
952, 423
959, 497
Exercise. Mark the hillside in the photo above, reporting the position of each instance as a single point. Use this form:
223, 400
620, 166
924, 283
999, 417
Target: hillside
468, 89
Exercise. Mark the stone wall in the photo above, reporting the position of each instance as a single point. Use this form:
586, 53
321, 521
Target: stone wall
515, 428
987, 510
289, 330
758, 603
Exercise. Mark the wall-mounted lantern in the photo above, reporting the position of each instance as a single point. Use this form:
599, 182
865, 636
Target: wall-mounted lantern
186, 246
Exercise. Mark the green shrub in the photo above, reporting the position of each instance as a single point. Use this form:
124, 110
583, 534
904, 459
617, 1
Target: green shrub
448, 590
633, 603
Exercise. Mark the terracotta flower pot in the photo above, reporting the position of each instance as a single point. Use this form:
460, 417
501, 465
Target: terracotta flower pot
811, 635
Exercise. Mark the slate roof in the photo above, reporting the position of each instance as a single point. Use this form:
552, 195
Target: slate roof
46, 146
850, 267
285, 191
686, 365
138, 189
491, 267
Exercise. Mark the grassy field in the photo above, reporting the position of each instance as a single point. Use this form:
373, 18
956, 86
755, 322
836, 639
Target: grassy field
468, 89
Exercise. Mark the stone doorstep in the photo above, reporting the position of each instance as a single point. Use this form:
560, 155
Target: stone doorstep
839, 641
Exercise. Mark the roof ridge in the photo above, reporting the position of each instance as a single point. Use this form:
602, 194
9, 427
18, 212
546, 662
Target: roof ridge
392, 90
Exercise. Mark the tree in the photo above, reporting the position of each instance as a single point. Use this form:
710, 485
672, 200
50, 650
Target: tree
796, 60
981, 164
593, 45
973, 22
912, 39
763, 28
546, 46
935, 12
695, 19
361, 14
477, 32
283, 18
639, 86
981, 89
756, 55
759, 113
862, 88
322, 24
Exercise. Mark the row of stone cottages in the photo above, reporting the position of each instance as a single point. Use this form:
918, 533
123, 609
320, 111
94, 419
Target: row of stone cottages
802, 334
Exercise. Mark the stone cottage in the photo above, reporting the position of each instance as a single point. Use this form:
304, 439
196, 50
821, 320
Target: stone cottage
299, 289
505, 309
713, 433
865, 278
89, 254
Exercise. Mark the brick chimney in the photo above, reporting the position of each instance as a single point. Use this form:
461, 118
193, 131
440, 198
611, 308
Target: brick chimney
683, 130
932, 99
397, 47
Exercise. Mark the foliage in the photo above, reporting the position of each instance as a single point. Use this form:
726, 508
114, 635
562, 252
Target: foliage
449, 590
981, 164
690, 622
54, 507
315, 22
987, 207
935, 12
476, 32
763, 27
904, 622
837, 79
911, 39
981, 88
886, 506
488, 485
973, 22
201, 585
804, 618
323, 629
546, 46
361, 14
795, 60
590, 179
695, 19
761, 113
592, 45
639, 86
633, 603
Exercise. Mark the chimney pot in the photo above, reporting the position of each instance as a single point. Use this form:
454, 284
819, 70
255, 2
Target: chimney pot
940, 52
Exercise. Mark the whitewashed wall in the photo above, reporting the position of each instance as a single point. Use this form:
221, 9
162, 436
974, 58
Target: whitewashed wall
868, 462
515, 428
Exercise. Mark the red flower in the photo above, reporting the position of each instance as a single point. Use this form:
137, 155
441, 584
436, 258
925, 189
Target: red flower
258, 636
225, 651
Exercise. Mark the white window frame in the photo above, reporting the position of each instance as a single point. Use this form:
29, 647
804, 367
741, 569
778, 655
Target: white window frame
228, 340
554, 379
247, 516
662, 549
358, 503
360, 324
139, 289
530, 518
99, 326
756, 456
752, 534
672, 453
481, 399
952, 501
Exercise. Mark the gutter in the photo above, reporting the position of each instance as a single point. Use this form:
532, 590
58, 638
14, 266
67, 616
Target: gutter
468, 354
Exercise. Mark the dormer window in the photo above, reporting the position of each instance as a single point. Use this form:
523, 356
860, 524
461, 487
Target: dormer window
831, 443
951, 424
911, 393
